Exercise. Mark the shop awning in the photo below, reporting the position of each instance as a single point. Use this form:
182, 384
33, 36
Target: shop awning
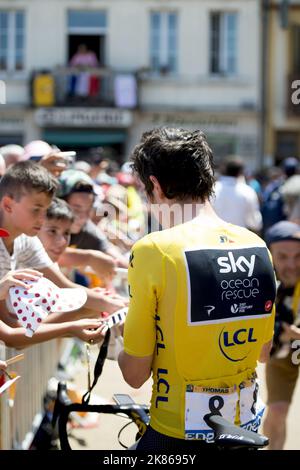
83, 138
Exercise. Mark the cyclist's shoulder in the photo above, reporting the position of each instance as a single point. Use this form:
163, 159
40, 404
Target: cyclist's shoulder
245, 236
158, 241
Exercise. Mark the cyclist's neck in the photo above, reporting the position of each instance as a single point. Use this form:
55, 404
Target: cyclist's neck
174, 212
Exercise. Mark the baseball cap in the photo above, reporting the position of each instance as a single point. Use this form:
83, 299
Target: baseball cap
282, 231
32, 304
75, 181
125, 179
291, 187
36, 148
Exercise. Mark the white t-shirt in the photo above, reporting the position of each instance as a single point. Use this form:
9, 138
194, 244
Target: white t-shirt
28, 253
237, 203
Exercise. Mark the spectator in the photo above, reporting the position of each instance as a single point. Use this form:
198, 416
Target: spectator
47, 156
2, 165
15, 336
82, 165
55, 236
99, 166
26, 191
77, 188
273, 204
290, 191
84, 57
283, 239
12, 154
55, 232
235, 201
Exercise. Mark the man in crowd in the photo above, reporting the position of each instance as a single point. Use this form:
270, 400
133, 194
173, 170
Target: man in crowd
283, 239
235, 201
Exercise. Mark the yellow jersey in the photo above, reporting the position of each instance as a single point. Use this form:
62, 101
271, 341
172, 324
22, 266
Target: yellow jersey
202, 303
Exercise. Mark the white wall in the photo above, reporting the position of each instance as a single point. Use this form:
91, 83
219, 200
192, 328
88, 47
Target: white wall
128, 47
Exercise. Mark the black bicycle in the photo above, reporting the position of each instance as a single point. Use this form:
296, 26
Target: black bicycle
226, 435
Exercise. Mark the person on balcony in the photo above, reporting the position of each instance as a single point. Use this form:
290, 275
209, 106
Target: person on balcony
84, 84
84, 57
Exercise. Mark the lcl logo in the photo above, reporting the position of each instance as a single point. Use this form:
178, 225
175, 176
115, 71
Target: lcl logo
228, 341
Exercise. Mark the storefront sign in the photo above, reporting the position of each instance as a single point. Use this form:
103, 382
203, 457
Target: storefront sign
11, 124
209, 122
83, 117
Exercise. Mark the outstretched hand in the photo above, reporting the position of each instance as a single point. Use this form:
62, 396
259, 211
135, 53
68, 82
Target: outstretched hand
17, 278
89, 330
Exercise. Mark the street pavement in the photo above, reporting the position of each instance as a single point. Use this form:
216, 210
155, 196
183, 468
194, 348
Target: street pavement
104, 435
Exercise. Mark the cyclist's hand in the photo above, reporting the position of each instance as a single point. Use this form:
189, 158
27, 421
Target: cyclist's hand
3, 365
16, 278
89, 330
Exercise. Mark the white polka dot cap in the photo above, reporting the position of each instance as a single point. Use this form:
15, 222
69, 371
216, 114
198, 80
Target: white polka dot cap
33, 304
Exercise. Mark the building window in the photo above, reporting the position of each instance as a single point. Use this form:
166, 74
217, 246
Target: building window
223, 43
163, 42
89, 28
12, 40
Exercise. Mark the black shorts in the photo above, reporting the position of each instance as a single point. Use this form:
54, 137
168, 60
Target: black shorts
153, 441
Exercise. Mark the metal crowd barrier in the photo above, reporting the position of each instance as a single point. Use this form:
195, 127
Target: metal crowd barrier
21, 408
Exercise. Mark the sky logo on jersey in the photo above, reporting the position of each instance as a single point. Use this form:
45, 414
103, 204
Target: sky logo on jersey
230, 264
225, 284
229, 342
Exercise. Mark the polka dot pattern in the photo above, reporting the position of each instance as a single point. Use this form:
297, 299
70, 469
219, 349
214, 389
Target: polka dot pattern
39, 298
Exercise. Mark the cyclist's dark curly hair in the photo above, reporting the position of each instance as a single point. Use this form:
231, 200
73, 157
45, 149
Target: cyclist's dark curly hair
182, 162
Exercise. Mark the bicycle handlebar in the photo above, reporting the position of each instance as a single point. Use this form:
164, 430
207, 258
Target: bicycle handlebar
64, 406
227, 435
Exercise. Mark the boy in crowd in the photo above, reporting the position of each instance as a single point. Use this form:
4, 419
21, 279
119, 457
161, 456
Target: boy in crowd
77, 189
26, 191
84, 329
55, 236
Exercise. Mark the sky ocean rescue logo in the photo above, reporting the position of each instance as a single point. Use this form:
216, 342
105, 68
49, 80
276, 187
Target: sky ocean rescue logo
229, 284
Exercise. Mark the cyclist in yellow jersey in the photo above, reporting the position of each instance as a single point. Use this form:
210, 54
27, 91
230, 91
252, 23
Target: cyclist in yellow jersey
202, 295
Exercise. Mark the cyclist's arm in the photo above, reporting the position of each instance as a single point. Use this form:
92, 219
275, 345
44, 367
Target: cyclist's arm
145, 279
265, 352
135, 370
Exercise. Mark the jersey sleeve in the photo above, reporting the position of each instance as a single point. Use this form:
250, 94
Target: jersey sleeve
145, 287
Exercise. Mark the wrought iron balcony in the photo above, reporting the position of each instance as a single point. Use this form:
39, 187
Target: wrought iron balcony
81, 86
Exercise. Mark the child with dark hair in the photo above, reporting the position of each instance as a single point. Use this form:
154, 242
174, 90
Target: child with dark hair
26, 192
55, 233
55, 236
